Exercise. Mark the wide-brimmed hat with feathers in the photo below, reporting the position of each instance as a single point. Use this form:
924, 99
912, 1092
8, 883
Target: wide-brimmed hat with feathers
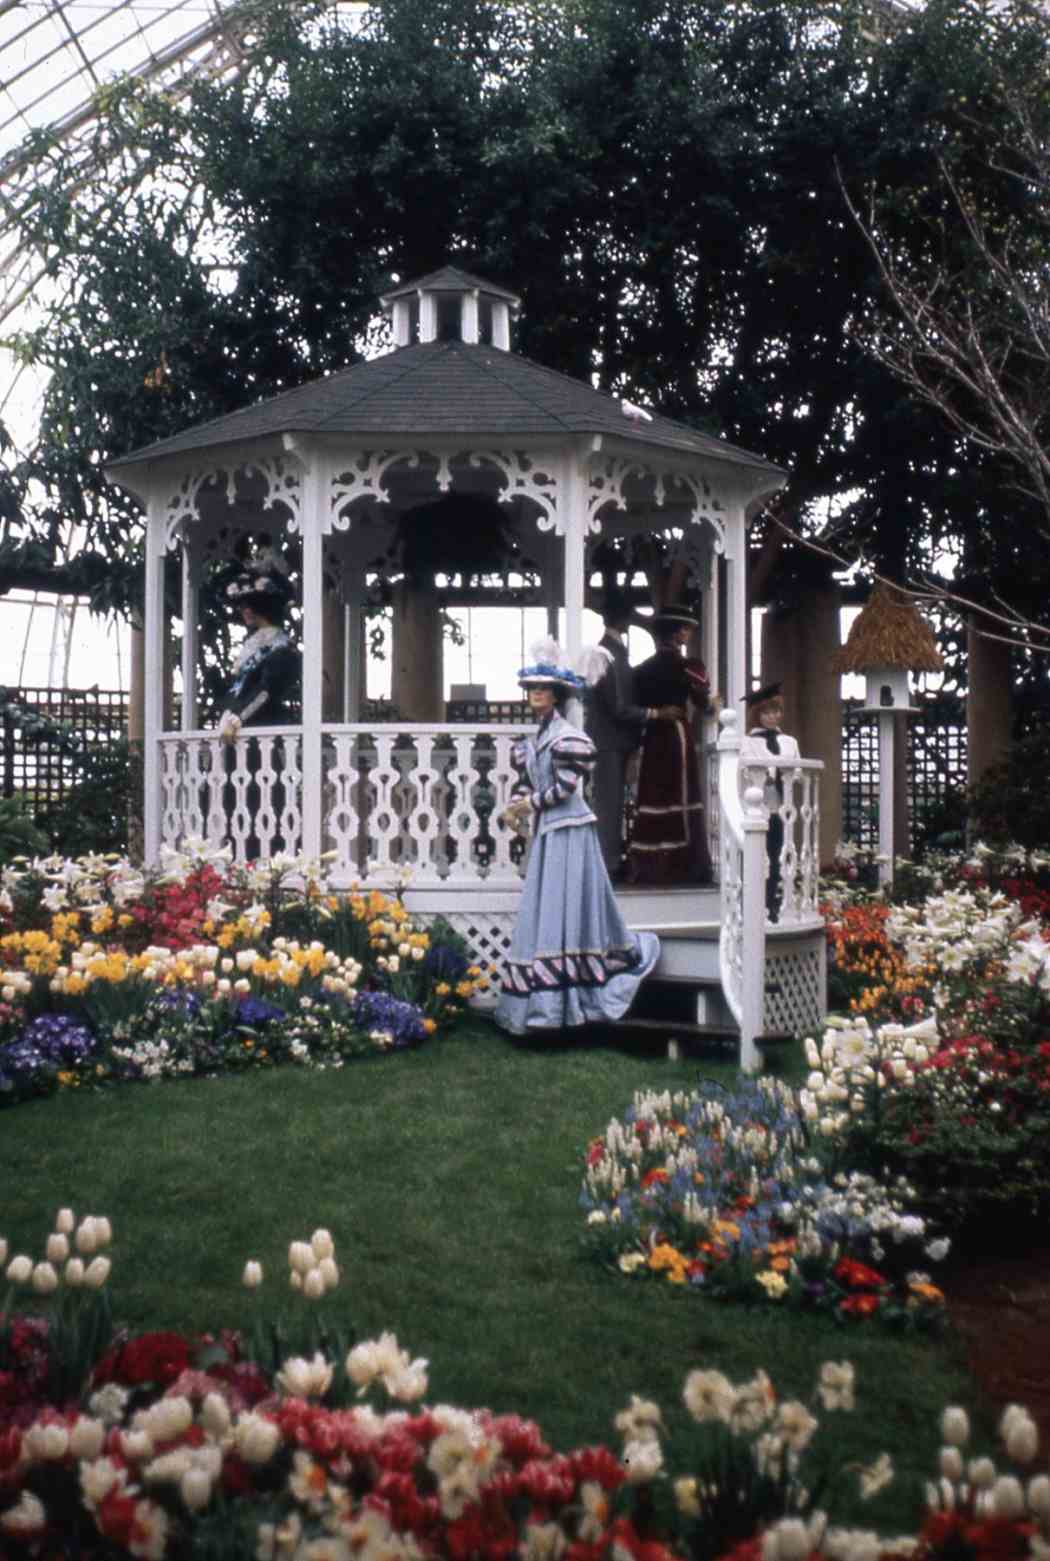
261, 583
549, 666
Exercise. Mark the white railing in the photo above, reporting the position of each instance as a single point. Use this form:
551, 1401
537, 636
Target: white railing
418, 797
791, 789
742, 861
422, 797
248, 792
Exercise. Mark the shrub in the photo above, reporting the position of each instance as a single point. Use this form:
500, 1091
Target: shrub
1011, 801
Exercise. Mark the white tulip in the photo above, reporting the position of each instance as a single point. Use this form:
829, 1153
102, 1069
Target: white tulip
252, 1277
86, 1237
97, 1272
256, 1438
57, 1247
215, 1415
27, 1516
195, 1489
301, 1257
45, 1279
20, 1269
300, 1378
1008, 1497
87, 1437
65, 1222
322, 1244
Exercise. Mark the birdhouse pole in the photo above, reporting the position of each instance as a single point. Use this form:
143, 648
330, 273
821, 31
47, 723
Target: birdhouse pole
886, 694
888, 640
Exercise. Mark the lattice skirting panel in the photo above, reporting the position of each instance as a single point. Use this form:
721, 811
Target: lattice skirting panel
797, 968
485, 921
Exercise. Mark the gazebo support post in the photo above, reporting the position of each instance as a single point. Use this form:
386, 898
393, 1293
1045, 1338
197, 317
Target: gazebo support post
190, 631
153, 673
574, 540
316, 486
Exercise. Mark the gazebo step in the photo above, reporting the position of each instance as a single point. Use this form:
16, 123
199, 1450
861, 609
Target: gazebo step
679, 1029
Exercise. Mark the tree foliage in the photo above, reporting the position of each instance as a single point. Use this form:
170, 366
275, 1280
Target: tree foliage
663, 183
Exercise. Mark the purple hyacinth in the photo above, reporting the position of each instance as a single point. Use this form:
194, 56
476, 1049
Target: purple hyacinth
48, 1042
379, 1011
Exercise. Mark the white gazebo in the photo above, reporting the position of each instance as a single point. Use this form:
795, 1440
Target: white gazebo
331, 473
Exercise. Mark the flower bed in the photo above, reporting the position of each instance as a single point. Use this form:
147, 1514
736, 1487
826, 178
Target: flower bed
161, 1445
108, 974
721, 1191
961, 1107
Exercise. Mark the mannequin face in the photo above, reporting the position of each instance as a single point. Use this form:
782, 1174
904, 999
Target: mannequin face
252, 619
771, 714
541, 700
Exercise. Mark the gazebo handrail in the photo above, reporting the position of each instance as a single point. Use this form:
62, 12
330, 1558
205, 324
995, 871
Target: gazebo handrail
341, 728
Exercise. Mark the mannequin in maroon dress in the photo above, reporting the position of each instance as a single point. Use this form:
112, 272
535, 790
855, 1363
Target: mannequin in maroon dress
669, 843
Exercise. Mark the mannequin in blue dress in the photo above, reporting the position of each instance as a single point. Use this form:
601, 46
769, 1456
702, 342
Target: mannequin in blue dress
572, 960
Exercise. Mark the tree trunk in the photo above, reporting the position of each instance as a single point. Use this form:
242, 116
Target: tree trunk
418, 682
333, 681
989, 703
797, 647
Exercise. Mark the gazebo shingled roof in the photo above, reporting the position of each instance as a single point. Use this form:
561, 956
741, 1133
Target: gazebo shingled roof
446, 388
889, 632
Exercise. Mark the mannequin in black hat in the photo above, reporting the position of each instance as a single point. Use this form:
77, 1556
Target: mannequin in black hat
267, 669
669, 843
615, 725
265, 682
763, 739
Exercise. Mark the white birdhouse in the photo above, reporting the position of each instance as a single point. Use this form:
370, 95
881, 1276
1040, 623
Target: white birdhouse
886, 688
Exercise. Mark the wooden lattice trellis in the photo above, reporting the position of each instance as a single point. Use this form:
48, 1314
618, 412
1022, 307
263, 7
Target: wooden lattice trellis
936, 766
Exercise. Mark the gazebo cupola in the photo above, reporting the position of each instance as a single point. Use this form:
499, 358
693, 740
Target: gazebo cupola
450, 305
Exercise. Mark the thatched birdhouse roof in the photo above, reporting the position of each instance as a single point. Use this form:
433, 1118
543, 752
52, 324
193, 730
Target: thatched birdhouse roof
889, 632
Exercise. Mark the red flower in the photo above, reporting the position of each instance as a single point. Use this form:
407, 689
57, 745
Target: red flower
549, 1482
859, 1305
746, 1550
235, 1477
156, 1358
624, 1533
521, 1439
598, 1463
857, 1275
115, 1516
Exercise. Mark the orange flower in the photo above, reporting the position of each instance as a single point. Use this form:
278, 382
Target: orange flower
927, 1292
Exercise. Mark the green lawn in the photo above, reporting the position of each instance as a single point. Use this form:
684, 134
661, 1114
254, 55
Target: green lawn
449, 1180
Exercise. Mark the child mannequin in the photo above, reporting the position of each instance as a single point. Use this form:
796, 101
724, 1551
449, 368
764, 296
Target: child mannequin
763, 739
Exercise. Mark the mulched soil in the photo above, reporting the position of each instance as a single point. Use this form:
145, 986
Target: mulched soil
1000, 1307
